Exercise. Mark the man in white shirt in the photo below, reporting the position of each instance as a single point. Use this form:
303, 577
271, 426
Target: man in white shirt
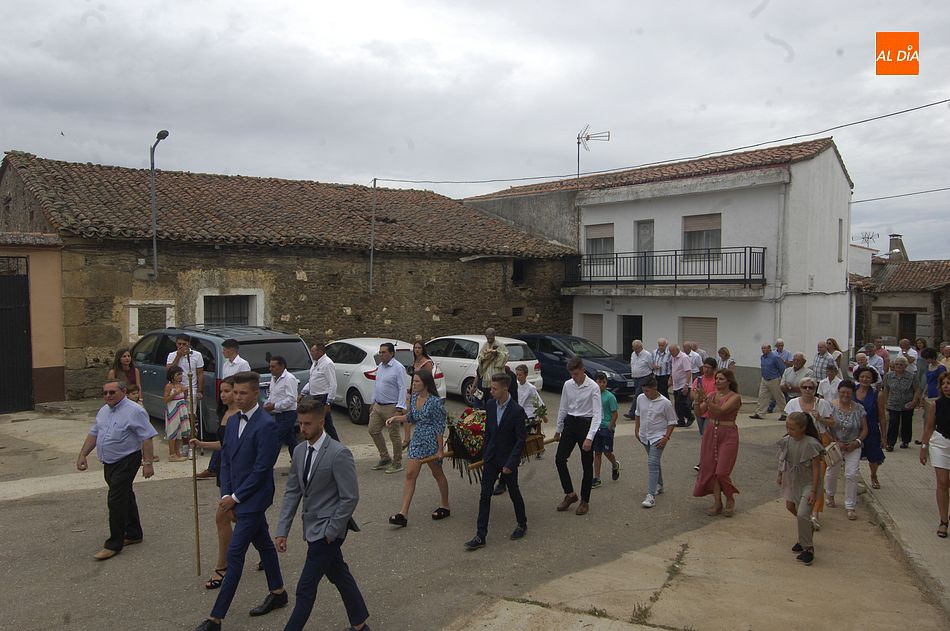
791, 378
578, 420
191, 363
641, 367
655, 423
232, 365
681, 375
282, 402
910, 354
322, 385
695, 359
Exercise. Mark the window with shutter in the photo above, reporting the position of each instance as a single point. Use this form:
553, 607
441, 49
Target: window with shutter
592, 327
702, 232
703, 331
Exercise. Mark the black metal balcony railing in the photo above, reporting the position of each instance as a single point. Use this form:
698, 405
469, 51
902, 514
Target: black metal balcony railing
708, 266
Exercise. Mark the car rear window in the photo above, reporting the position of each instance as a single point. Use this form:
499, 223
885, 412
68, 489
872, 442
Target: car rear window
403, 356
258, 354
519, 353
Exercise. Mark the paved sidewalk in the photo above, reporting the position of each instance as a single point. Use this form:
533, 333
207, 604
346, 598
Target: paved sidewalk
731, 574
907, 509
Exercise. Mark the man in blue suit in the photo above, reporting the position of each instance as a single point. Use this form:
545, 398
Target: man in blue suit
247, 488
504, 443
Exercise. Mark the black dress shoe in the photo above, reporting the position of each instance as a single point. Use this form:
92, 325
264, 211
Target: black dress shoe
272, 602
209, 625
476, 543
499, 489
519, 532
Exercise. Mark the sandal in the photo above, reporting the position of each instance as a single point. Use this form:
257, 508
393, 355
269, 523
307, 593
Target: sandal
942, 530
399, 520
852, 515
875, 484
215, 583
440, 513
830, 501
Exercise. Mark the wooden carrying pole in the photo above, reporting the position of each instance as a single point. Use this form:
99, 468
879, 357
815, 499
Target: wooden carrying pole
474, 465
194, 467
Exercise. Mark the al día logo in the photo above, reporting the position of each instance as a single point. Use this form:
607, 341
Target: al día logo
898, 53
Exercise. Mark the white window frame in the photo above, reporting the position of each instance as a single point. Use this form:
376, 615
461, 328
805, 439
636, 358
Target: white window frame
134, 305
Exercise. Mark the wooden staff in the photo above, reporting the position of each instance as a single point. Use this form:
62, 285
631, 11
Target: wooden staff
194, 466
479, 464
445, 454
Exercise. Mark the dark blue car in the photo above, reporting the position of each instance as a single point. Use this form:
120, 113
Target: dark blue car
554, 350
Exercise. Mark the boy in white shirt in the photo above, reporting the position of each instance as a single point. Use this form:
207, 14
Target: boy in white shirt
655, 420
528, 397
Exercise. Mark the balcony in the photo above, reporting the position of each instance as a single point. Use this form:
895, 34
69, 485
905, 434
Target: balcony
743, 266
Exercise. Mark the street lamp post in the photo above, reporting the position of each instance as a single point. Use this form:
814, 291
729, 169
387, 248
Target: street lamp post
162, 135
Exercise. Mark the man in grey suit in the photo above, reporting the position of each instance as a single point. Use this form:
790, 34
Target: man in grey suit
323, 476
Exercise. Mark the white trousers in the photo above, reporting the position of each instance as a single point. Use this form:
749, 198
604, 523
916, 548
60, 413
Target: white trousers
851, 462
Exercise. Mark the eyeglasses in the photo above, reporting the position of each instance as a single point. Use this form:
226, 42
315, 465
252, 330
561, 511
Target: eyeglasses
105, 392
807, 387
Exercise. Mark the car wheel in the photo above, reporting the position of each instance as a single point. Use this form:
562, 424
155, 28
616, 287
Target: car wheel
468, 392
356, 408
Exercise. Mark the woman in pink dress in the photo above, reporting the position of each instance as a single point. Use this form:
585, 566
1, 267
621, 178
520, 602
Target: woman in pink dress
720, 444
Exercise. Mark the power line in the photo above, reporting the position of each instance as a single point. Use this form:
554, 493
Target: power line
875, 199
659, 162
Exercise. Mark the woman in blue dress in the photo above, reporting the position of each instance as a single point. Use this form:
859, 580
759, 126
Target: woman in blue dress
867, 395
427, 412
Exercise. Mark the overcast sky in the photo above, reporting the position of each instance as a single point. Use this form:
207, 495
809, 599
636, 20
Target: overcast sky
344, 92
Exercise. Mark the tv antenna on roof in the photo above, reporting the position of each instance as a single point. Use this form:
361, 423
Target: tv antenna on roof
584, 137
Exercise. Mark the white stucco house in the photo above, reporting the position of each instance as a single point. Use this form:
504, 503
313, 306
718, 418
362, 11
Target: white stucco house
732, 250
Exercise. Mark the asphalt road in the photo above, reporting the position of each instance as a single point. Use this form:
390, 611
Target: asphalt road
419, 577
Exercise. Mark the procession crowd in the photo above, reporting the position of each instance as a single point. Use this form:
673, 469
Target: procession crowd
835, 414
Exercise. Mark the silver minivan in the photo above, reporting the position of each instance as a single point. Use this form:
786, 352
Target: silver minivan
258, 345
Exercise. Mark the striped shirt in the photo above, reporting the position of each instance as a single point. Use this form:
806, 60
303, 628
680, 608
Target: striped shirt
663, 362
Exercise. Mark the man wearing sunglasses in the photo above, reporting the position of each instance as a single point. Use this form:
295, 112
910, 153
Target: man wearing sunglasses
122, 438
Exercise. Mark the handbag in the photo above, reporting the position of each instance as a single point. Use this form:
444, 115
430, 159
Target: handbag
832, 454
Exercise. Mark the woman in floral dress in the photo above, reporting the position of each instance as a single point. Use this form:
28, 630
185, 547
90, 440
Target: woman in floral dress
427, 412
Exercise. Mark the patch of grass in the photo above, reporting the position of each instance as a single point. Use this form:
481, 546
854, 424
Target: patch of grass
641, 613
597, 613
528, 601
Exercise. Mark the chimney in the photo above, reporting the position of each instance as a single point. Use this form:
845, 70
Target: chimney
896, 248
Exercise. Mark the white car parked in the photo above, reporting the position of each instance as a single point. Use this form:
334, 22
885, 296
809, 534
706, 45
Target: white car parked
355, 361
457, 355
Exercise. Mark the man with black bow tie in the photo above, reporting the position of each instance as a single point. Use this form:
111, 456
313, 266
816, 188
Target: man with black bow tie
247, 488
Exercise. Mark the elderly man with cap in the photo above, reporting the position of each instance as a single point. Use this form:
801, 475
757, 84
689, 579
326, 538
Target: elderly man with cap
122, 438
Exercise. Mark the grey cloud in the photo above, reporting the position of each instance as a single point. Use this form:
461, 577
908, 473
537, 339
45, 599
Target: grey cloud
242, 92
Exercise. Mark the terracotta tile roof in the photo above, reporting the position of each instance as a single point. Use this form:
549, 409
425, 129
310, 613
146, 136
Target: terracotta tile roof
730, 162
912, 276
858, 281
36, 239
108, 202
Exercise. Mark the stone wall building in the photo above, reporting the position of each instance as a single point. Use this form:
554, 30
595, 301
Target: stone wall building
290, 255
904, 298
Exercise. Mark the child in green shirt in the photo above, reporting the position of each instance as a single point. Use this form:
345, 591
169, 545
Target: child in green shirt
604, 438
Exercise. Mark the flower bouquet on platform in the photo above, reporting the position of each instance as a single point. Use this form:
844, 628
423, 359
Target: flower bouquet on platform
466, 440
